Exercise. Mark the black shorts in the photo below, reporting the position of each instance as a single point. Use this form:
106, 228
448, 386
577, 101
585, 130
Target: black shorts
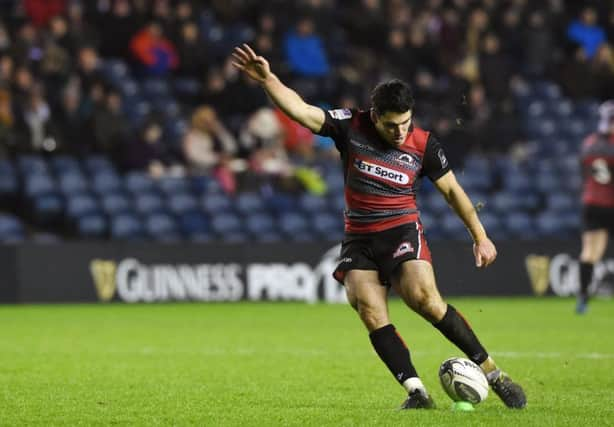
597, 217
382, 251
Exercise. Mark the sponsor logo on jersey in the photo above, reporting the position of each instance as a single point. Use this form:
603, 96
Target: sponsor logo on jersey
406, 158
340, 114
403, 248
381, 172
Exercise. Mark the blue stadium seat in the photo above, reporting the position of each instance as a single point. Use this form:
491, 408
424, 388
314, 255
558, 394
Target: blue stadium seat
172, 185
182, 203
336, 204
259, 223
114, 69
97, 163
505, 202
106, 182
293, 224
146, 203
560, 202
80, 205
11, 229
115, 204
126, 227
32, 164
139, 182
194, 225
586, 110
9, 184
517, 181
335, 181
64, 163
563, 108
546, 89
248, 203
329, 227
471, 180
452, 226
226, 223
72, 182
47, 209
434, 204
162, 227
519, 225
547, 182
39, 184
216, 203
429, 221
550, 224
187, 87
310, 203
155, 88
92, 226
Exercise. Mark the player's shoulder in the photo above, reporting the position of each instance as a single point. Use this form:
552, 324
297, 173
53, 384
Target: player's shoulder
418, 139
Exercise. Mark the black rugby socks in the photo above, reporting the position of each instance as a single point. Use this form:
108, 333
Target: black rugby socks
394, 353
586, 277
455, 328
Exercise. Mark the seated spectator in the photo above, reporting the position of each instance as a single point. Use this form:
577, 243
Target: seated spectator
305, 51
262, 140
192, 53
147, 152
7, 121
154, 51
602, 71
71, 119
586, 32
35, 124
110, 127
208, 148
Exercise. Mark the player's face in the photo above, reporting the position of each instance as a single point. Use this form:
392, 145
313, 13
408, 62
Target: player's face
392, 127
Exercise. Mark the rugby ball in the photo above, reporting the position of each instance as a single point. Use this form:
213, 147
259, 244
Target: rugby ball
463, 380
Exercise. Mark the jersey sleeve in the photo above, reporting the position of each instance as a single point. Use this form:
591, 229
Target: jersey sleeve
336, 126
435, 163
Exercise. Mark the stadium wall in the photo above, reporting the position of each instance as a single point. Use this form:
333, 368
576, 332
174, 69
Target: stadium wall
145, 272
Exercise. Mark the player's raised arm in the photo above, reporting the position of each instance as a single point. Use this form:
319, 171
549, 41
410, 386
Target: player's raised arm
483, 248
257, 67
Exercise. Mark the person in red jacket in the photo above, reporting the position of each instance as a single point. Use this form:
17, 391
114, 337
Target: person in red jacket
383, 157
157, 54
597, 156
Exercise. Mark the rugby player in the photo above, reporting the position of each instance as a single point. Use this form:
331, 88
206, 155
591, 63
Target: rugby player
383, 157
597, 157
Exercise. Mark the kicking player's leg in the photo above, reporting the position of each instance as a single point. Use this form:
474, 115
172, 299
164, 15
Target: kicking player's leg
414, 281
594, 244
369, 298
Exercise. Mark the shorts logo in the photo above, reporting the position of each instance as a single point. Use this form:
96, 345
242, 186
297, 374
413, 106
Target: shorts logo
340, 114
403, 248
381, 172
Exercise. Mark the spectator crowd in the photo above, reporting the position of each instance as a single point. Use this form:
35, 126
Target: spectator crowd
69, 71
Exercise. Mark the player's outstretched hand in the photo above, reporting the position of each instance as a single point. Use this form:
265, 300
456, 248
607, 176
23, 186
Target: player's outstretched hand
246, 60
484, 252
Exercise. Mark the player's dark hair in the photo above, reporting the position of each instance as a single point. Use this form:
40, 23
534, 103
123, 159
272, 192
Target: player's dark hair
392, 96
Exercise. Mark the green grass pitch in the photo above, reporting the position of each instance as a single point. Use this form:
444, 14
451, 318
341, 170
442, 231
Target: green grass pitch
262, 364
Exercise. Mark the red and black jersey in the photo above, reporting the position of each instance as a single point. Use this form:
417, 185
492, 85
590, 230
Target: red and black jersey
597, 170
381, 180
